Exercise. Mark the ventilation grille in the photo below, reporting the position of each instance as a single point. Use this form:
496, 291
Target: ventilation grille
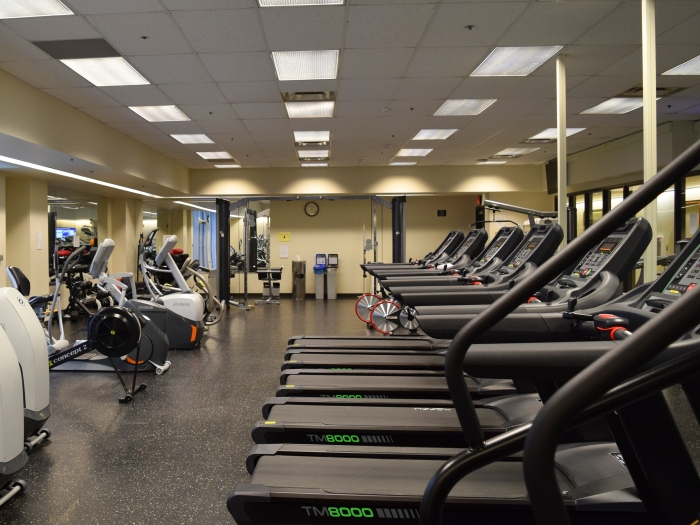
308, 96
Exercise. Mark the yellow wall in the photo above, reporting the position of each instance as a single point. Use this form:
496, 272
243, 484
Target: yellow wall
3, 229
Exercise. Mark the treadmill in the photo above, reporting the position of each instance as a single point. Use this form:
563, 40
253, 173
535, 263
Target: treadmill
442, 252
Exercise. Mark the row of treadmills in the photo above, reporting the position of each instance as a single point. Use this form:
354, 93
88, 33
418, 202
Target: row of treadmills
373, 428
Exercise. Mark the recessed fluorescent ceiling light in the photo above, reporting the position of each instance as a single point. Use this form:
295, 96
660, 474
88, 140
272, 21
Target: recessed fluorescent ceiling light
214, 154
516, 151
312, 136
227, 166
434, 134
29, 8
310, 109
464, 106
74, 176
194, 206
306, 65
482, 162
402, 163
616, 106
514, 61
160, 113
95, 204
314, 164
288, 3
193, 139
551, 133
415, 152
108, 71
313, 153
691, 67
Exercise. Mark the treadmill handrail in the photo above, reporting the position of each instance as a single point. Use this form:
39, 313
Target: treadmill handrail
457, 384
644, 384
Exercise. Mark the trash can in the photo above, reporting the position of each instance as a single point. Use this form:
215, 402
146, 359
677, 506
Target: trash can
299, 284
332, 276
320, 274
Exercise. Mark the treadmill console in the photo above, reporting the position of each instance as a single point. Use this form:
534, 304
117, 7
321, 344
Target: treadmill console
687, 278
598, 256
468, 241
526, 251
495, 247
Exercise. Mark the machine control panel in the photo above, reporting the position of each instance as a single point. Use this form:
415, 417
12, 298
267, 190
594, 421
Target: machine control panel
495, 247
598, 256
465, 246
526, 251
687, 278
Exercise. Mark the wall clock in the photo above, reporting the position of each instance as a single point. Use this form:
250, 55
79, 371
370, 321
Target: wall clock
311, 209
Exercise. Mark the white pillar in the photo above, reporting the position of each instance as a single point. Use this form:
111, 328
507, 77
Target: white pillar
650, 165
561, 145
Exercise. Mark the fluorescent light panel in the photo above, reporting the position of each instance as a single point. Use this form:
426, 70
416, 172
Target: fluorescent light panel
515, 61
313, 153
488, 162
214, 154
74, 176
691, 67
32, 8
516, 151
107, 71
551, 133
291, 3
227, 165
314, 164
414, 152
194, 206
435, 134
616, 106
312, 136
160, 113
193, 139
402, 163
464, 106
306, 65
310, 109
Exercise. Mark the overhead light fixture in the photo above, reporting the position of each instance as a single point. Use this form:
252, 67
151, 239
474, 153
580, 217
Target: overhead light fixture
550, 135
214, 154
52, 198
402, 163
314, 164
160, 113
32, 8
106, 71
464, 106
616, 106
310, 109
413, 152
691, 67
74, 176
291, 3
194, 206
435, 134
513, 153
193, 139
312, 136
490, 162
93, 203
515, 61
306, 65
227, 165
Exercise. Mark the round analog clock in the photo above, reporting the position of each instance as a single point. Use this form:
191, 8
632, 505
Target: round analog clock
311, 209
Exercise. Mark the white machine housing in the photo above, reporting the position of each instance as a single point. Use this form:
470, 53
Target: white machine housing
25, 334
11, 406
189, 305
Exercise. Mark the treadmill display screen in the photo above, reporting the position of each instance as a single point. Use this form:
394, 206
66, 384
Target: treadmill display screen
597, 257
526, 251
492, 251
687, 279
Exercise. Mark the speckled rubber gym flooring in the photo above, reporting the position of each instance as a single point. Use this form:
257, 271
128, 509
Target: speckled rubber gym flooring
174, 454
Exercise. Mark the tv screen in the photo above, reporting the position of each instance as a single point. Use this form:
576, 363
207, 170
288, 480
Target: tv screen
62, 233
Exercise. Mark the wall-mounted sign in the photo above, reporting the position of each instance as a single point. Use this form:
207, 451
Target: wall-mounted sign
284, 236
442, 213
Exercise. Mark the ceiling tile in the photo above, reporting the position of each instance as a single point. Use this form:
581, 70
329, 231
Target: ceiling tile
589, 60
269, 124
311, 124
45, 74
222, 126
427, 88
104, 7
178, 127
375, 63
541, 87
221, 31
135, 128
413, 107
490, 20
114, 114
15, 48
138, 95
603, 86
341, 146
360, 108
195, 5
272, 110
194, 93
242, 92
52, 28
363, 125
239, 67
125, 32
555, 23
172, 69
85, 97
387, 25
209, 111
304, 28
367, 89
686, 32
232, 140
486, 87
667, 57
446, 61
155, 139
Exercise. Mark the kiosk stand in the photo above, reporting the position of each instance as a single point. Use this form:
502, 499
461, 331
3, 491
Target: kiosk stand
332, 276
319, 274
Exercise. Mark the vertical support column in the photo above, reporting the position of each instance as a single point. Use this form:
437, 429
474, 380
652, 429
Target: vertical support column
649, 132
104, 219
125, 256
587, 210
572, 219
607, 201
398, 227
223, 243
561, 145
3, 236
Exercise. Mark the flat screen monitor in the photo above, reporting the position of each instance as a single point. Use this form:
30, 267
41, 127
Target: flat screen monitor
62, 233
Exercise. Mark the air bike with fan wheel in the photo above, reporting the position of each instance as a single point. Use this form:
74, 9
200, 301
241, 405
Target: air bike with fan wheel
104, 351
